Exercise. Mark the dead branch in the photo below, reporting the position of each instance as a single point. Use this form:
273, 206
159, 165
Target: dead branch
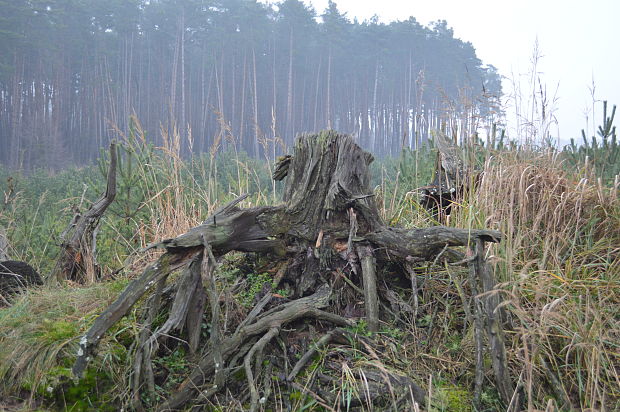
77, 251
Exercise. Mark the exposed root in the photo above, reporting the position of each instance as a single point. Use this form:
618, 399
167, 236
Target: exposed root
247, 362
136, 289
324, 340
142, 361
478, 329
208, 269
273, 321
369, 386
369, 274
317, 398
190, 281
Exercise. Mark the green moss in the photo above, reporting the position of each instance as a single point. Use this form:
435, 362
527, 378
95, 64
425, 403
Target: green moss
57, 331
88, 394
453, 399
325, 137
164, 262
240, 375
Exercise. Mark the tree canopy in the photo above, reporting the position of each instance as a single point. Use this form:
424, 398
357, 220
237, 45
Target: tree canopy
72, 72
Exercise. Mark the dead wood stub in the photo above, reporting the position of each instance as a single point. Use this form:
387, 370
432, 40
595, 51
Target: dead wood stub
452, 177
77, 260
328, 229
328, 173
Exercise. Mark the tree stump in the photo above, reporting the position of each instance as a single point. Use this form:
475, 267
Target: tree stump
328, 224
452, 176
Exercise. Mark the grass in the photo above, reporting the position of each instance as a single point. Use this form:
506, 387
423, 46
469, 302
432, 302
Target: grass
559, 268
39, 335
560, 264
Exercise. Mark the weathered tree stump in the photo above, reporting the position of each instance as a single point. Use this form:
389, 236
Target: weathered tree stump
329, 223
78, 260
452, 176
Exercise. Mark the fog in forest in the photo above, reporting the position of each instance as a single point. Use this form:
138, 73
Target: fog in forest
237, 72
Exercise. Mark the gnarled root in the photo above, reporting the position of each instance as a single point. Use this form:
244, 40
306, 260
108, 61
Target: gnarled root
267, 324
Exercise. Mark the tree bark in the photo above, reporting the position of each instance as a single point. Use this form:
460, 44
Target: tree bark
369, 275
4, 245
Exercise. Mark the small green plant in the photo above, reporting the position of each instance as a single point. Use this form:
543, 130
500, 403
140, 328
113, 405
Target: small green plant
174, 367
393, 332
361, 328
603, 155
454, 343
255, 284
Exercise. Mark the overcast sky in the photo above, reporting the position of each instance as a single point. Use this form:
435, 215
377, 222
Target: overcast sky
579, 42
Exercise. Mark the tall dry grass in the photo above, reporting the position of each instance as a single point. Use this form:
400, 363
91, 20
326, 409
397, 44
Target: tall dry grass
559, 272
547, 215
180, 193
560, 268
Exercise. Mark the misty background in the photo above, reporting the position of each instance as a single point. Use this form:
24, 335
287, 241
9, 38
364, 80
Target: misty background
567, 48
251, 74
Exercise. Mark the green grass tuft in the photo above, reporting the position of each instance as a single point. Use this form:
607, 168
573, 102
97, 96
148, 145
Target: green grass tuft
38, 343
